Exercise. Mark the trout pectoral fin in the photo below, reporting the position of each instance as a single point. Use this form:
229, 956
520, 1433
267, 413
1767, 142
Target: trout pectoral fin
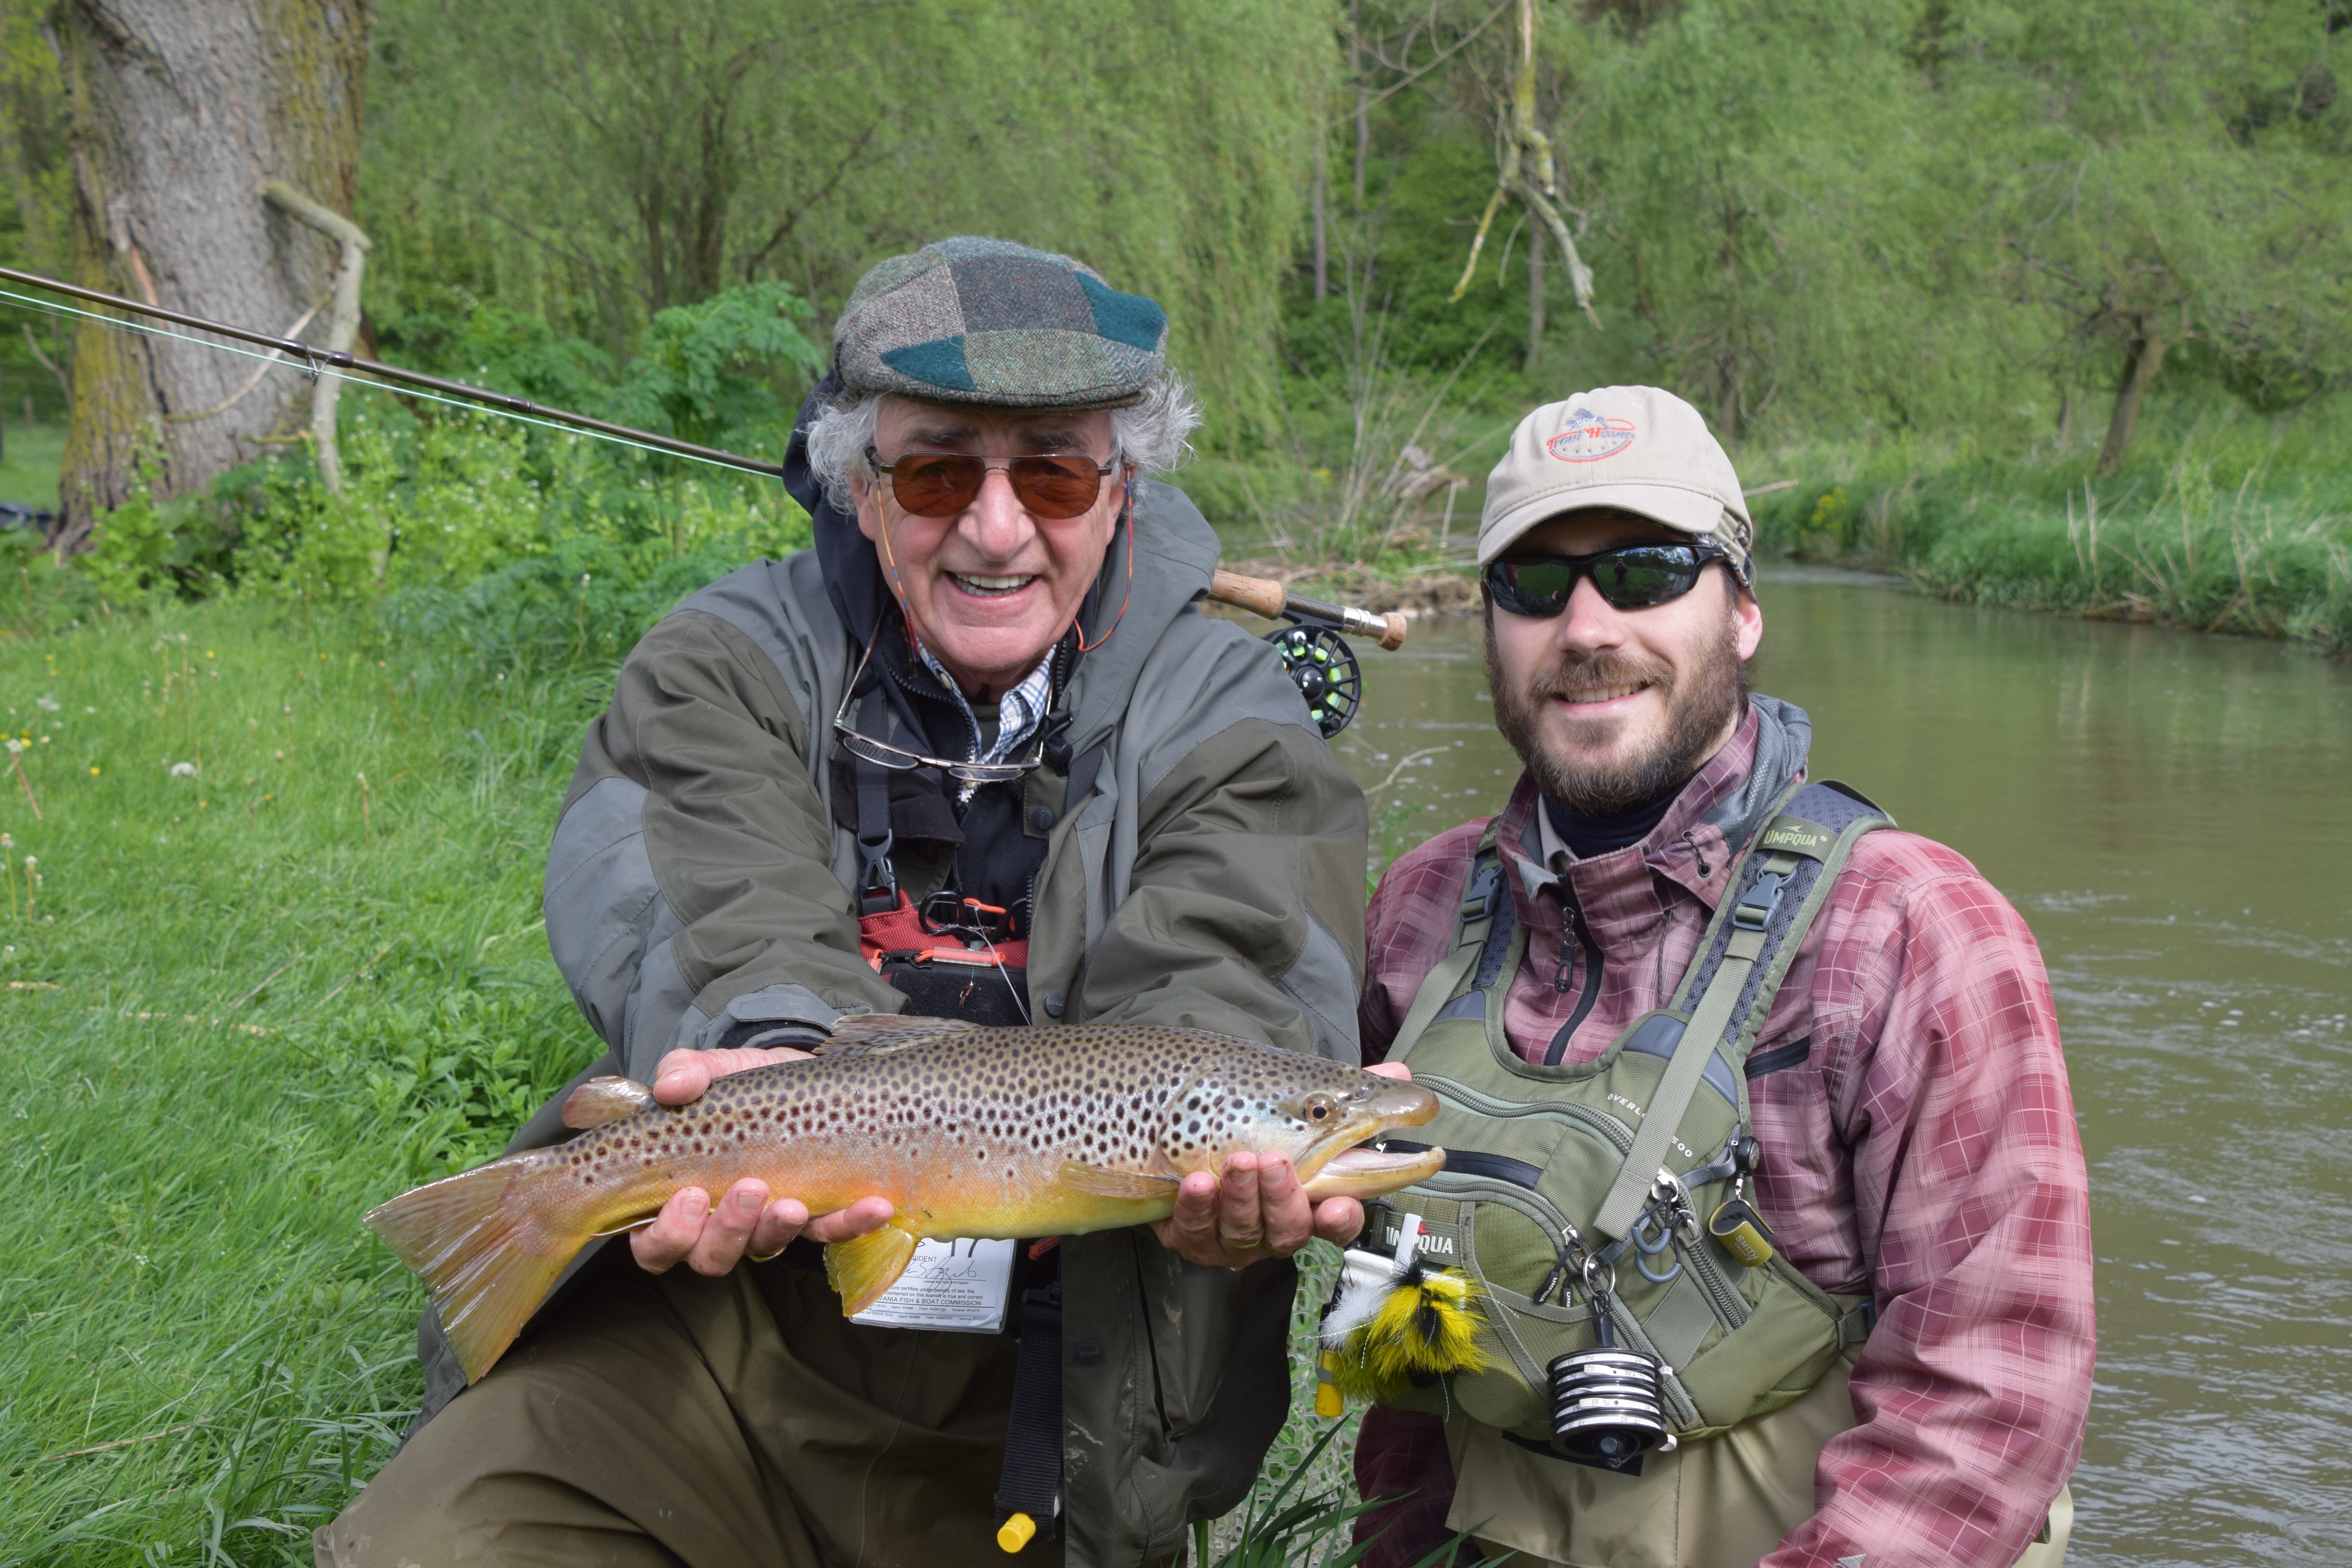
1105, 1183
865, 1267
603, 1099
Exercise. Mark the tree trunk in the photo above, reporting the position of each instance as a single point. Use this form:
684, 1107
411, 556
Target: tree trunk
1320, 198
2141, 361
1363, 96
181, 111
1535, 238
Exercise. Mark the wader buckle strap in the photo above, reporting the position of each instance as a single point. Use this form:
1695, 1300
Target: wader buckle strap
878, 880
1031, 1480
1853, 1327
1752, 941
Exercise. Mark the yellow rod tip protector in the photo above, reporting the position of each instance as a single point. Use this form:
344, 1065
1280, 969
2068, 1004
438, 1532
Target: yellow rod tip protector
1327, 1402
1017, 1533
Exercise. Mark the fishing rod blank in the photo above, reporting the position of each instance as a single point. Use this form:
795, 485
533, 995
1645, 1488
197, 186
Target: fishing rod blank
1308, 646
316, 358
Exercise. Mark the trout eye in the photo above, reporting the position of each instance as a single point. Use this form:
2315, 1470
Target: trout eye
1318, 1109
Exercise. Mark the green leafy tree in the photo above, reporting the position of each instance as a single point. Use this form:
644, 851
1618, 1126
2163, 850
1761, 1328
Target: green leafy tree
2169, 175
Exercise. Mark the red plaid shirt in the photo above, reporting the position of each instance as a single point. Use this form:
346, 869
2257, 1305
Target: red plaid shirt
1924, 1150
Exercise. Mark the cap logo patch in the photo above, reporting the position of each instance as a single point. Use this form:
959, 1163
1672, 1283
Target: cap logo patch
1589, 437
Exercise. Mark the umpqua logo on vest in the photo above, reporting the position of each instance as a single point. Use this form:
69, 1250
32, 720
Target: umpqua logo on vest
1589, 437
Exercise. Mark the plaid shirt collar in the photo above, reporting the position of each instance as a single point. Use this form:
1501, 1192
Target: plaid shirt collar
1018, 712
1616, 893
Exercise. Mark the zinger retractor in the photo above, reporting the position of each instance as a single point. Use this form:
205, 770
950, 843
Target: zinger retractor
1393, 1324
1606, 1406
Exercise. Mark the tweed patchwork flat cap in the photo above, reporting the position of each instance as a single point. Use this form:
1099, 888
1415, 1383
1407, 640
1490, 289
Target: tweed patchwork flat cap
985, 321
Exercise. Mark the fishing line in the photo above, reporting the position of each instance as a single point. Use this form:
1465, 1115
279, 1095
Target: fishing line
279, 357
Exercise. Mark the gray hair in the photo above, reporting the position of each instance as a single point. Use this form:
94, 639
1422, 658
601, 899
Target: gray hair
1154, 434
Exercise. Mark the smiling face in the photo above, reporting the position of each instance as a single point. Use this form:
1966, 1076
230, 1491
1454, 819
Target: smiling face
1611, 708
990, 590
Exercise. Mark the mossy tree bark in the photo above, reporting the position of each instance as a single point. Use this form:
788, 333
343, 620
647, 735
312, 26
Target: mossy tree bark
183, 111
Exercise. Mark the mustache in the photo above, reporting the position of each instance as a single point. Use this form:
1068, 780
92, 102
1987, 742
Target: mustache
1573, 675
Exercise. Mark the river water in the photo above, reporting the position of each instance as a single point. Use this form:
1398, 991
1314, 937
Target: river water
2173, 813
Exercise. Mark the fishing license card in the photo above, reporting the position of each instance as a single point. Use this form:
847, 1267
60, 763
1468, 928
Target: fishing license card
958, 1285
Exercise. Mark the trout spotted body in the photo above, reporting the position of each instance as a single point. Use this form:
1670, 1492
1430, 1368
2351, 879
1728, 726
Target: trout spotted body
967, 1131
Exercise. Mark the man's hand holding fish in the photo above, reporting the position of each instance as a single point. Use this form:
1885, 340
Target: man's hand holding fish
712, 1239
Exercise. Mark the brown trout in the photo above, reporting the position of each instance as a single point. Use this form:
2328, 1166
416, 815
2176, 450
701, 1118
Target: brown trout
969, 1131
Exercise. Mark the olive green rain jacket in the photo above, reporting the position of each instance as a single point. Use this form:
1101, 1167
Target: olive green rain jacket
1209, 872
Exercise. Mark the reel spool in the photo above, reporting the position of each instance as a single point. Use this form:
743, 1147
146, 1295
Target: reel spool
1605, 1408
1323, 666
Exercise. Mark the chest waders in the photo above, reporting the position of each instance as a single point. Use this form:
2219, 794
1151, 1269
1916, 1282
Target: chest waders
1622, 1180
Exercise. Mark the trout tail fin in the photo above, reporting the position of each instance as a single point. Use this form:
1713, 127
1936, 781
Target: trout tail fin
487, 1260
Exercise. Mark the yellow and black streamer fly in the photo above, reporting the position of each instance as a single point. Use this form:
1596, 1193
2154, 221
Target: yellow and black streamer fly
1395, 1324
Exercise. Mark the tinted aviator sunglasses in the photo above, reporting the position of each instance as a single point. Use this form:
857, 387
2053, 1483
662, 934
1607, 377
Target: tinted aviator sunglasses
1053, 485
1631, 577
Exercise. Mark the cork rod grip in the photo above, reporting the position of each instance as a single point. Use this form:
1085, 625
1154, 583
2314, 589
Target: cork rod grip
1259, 595
1264, 597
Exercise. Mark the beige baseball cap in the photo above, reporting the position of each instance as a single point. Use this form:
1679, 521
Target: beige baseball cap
1629, 449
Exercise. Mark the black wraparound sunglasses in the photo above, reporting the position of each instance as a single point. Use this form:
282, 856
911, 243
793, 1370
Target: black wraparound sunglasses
1631, 577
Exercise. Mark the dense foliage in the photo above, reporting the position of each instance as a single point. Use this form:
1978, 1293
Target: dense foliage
596, 164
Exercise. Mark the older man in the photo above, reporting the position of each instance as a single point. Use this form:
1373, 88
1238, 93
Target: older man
1920, 1160
976, 753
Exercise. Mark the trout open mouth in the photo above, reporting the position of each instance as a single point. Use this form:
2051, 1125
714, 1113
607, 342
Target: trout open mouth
1372, 1173
1339, 1165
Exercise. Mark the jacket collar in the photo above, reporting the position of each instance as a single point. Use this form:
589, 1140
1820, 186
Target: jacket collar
1622, 895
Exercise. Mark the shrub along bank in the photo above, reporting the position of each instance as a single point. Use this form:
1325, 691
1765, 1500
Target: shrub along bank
2235, 530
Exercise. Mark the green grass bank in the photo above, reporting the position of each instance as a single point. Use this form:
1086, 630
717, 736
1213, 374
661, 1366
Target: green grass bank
271, 953
2257, 543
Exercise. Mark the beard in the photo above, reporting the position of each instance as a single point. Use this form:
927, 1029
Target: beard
1700, 706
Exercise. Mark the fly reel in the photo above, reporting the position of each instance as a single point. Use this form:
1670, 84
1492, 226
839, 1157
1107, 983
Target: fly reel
1323, 666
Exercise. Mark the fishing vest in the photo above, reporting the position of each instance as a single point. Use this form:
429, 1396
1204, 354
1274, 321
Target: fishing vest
1634, 1164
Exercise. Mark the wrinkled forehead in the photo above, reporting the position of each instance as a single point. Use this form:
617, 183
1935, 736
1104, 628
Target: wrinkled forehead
905, 425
